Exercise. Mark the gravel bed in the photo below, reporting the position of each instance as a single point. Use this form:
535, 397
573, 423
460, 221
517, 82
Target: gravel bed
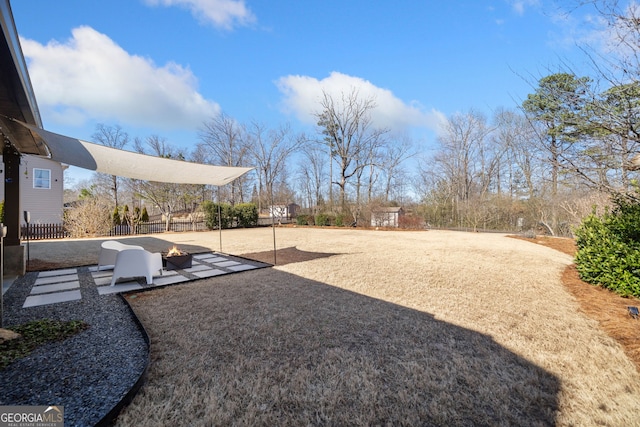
89, 373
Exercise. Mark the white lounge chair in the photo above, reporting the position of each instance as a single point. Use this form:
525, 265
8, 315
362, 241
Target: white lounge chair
108, 252
136, 263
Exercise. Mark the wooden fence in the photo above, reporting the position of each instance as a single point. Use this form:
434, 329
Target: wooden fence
157, 227
43, 231
58, 231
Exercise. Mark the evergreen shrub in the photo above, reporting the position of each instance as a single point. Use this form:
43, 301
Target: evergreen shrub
247, 214
115, 217
609, 249
322, 220
304, 220
211, 214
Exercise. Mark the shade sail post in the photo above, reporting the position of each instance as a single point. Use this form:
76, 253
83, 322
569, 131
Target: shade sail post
219, 220
273, 227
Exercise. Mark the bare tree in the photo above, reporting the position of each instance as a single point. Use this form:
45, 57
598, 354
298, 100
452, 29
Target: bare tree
165, 196
270, 149
349, 133
114, 137
397, 151
312, 172
225, 141
522, 169
461, 153
609, 149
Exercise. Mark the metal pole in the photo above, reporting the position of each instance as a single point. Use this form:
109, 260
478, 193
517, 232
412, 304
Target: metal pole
3, 232
273, 227
219, 220
27, 219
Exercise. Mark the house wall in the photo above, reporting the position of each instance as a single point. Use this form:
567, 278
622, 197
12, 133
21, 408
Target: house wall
44, 204
384, 219
279, 211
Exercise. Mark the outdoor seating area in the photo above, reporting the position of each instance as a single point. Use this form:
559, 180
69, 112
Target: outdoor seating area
89, 292
109, 251
134, 269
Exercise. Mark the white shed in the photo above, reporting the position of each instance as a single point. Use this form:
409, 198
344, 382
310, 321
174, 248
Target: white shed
386, 217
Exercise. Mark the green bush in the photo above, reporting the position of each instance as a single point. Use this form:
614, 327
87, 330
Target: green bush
211, 214
304, 220
2, 211
115, 217
340, 220
609, 249
247, 214
322, 220
144, 216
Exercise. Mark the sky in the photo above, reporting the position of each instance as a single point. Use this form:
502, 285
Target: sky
164, 67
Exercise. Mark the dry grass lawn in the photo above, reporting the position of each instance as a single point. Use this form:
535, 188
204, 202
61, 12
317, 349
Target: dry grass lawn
386, 328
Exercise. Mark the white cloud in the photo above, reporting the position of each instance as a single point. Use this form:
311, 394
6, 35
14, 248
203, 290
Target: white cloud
519, 6
223, 14
302, 95
89, 77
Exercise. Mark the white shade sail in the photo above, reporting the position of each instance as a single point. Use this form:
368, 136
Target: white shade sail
128, 164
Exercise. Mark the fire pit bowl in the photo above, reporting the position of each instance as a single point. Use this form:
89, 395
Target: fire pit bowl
175, 259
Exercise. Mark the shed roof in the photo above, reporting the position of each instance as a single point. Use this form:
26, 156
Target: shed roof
387, 209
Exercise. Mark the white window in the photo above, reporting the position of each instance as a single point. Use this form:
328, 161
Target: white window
41, 178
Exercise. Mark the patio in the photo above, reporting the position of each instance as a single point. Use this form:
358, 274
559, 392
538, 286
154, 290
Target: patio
63, 285
92, 373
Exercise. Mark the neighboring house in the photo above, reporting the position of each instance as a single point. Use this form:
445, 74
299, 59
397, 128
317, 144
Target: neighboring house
386, 217
284, 211
41, 189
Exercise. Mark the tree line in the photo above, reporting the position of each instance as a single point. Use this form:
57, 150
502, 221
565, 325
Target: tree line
542, 165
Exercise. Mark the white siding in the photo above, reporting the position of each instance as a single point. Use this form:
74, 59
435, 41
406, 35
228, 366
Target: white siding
386, 217
45, 205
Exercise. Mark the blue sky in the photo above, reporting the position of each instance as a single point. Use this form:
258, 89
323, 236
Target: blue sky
163, 67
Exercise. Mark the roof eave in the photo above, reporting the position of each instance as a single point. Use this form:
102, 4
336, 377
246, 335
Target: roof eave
17, 98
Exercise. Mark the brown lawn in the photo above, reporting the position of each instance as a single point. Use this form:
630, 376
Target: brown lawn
382, 328
599, 304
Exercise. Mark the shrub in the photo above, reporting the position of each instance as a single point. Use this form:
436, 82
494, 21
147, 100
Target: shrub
247, 214
92, 217
304, 220
115, 217
211, 214
322, 220
144, 216
410, 222
339, 220
609, 249
2, 211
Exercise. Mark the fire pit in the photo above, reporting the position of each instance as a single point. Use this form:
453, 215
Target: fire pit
175, 259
